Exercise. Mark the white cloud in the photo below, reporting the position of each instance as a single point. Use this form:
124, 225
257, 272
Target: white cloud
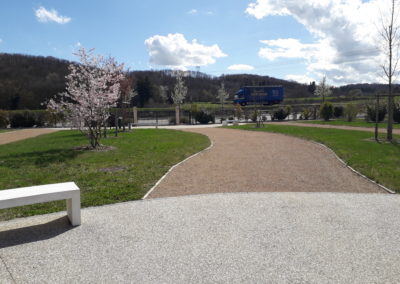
1, 40
261, 9
175, 51
43, 15
241, 67
201, 12
291, 48
304, 79
346, 33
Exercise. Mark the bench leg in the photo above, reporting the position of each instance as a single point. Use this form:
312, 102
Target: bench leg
74, 209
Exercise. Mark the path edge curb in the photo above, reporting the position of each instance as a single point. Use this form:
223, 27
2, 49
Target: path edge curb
174, 166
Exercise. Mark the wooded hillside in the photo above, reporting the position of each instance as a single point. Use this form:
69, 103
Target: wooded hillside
28, 81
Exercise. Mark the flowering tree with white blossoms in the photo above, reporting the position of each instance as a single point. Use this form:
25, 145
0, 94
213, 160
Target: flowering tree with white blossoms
92, 90
323, 89
180, 90
222, 94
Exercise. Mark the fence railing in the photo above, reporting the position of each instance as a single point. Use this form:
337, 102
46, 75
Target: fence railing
188, 114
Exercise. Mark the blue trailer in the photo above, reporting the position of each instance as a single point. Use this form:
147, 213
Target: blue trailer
266, 95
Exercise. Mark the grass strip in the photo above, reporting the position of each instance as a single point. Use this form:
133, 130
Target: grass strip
357, 123
140, 158
378, 161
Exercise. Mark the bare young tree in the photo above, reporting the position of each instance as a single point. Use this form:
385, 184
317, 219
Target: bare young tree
390, 36
164, 93
127, 93
323, 89
222, 95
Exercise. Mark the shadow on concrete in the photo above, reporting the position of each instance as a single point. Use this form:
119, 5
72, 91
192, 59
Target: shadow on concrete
34, 233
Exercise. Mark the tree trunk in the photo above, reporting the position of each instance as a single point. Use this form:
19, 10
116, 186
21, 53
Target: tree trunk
390, 75
116, 122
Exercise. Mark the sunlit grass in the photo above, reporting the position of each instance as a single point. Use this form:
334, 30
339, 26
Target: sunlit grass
140, 158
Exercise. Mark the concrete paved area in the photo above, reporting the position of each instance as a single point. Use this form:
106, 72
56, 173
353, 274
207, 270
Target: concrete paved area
224, 238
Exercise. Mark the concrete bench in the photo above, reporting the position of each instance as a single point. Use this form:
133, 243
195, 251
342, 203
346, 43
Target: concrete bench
234, 122
45, 193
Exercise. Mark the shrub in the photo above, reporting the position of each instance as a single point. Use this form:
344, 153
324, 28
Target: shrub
54, 118
254, 116
326, 111
238, 111
371, 113
184, 120
203, 117
22, 119
280, 113
246, 115
350, 112
294, 114
314, 112
338, 111
41, 118
396, 113
306, 114
4, 119
288, 110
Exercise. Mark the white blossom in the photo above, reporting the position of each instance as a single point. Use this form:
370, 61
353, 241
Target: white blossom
222, 94
92, 89
180, 90
323, 90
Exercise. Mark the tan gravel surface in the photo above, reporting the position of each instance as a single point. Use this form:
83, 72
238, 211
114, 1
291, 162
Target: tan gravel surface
246, 161
344, 127
16, 135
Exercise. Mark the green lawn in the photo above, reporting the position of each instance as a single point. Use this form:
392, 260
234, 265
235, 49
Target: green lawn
357, 123
126, 173
378, 161
4, 130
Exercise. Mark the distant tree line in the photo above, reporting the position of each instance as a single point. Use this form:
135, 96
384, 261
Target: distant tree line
26, 82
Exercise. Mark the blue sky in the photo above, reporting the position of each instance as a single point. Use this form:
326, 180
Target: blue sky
300, 41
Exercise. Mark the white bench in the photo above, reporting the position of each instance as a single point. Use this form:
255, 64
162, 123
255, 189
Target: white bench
45, 193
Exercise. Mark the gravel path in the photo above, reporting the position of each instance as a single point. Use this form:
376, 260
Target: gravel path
16, 135
246, 161
344, 127
280, 237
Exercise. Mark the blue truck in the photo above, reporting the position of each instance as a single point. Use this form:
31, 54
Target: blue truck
266, 95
